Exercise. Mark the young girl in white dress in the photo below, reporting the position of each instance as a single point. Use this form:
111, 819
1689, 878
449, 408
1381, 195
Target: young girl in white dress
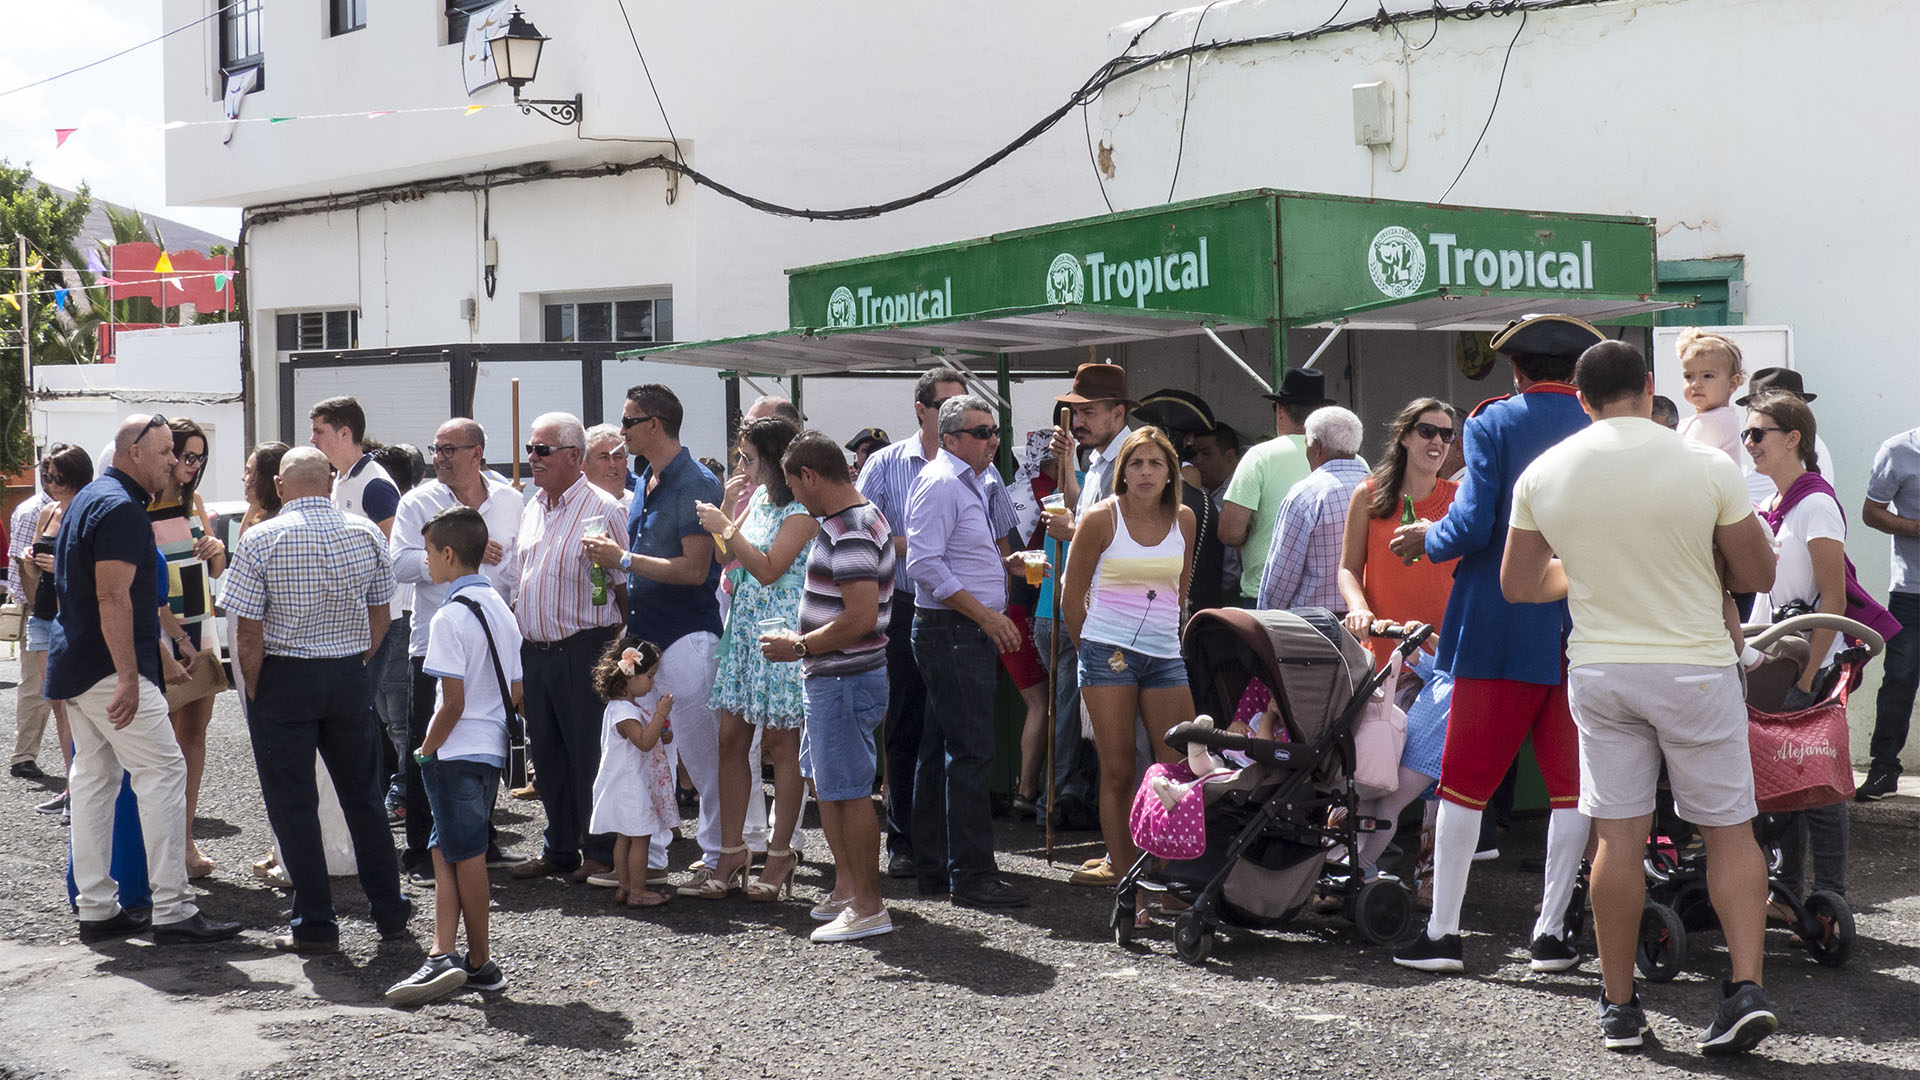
633, 794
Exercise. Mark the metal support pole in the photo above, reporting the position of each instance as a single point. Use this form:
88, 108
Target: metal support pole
26, 343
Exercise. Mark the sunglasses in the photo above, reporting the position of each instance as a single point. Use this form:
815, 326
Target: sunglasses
447, 449
983, 432
192, 459
1429, 431
1755, 434
157, 421
628, 421
540, 449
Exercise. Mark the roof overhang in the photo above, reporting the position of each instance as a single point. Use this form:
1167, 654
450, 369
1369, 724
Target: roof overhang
1021, 334
1492, 309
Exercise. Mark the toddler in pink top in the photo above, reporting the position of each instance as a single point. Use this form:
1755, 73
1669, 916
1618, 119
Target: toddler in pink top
1710, 366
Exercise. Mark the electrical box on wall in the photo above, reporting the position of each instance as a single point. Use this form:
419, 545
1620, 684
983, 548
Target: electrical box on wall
1373, 114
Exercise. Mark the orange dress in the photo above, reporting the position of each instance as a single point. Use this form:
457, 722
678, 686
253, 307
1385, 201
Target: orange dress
1398, 592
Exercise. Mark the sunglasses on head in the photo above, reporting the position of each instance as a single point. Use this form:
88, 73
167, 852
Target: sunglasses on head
1430, 431
983, 432
1755, 434
540, 449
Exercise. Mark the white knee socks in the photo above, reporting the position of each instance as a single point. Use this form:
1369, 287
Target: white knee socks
1372, 844
1566, 843
1455, 834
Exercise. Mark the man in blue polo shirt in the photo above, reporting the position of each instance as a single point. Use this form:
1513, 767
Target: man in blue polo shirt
104, 662
672, 578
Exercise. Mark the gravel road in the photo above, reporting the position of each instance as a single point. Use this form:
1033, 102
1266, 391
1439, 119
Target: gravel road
734, 989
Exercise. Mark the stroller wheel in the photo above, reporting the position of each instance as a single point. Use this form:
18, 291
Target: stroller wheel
1121, 920
1663, 943
1382, 911
1192, 938
1831, 922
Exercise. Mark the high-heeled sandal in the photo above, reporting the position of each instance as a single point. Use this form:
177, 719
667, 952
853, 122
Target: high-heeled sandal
764, 892
707, 884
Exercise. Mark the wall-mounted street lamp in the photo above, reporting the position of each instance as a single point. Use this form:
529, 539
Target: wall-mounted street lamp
516, 59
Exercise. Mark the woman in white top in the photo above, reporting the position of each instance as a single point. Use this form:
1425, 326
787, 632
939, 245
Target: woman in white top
1810, 537
1123, 592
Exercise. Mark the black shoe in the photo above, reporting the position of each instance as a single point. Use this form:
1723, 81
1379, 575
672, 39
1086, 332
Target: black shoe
27, 770
198, 930
496, 859
396, 817
124, 923
899, 866
487, 976
1741, 1021
396, 931
933, 886
1881, 782
989, 894
1622, 1027
1554, 954
1426, 954
420, 877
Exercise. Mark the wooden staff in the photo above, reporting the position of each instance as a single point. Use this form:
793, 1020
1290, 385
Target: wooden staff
516, 435
1059, 470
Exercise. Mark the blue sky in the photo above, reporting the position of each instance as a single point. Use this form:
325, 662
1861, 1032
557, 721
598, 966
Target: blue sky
119, 149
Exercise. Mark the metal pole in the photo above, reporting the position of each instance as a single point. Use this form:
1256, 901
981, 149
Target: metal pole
26, 342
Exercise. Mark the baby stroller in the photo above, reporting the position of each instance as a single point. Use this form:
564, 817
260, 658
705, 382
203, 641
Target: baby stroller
1796, 765
1267, 830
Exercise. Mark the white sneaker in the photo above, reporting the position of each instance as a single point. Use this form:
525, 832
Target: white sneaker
608, 880
847, 926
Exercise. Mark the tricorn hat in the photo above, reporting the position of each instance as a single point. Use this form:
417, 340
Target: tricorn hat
1775, 378
1098, 382
1301, 386
1175, 410
1547, 335
867, 435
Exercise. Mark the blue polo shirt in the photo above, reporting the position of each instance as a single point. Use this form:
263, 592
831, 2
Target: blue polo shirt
657, 612
107, 522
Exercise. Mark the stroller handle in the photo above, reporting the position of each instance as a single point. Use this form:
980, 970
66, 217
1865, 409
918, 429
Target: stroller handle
1767, 634
1412, 635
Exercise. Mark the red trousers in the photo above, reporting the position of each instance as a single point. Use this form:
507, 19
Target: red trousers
1489, 720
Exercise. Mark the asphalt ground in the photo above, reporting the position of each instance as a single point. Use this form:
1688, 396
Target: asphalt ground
734, 989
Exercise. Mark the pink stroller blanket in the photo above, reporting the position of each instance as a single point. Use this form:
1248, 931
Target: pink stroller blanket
1176, 833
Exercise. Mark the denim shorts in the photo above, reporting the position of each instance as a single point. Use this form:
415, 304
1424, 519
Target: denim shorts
836, 749
460, 794
1139, 669
39, 634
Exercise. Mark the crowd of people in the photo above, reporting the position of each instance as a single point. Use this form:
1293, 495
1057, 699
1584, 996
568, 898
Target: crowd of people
408, 629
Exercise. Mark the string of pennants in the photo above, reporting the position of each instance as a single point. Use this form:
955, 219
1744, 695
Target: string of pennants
61, 135
162, 266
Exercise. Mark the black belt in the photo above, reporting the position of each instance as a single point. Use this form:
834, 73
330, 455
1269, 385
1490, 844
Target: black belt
571, 640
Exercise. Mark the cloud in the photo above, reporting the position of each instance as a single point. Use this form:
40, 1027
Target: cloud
119, 149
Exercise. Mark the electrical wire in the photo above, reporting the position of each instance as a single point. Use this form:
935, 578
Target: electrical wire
635, 38
1099, 177
131, 48
1186, 98
1501, 85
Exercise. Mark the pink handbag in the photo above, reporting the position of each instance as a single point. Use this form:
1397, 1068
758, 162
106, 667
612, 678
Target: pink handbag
1379, 740
1801, 760
1179, 833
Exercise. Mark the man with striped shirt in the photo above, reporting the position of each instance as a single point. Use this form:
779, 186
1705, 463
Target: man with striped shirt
884, 481
842, 649
565, 632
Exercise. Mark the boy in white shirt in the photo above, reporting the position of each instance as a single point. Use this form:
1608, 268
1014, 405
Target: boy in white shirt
473, 650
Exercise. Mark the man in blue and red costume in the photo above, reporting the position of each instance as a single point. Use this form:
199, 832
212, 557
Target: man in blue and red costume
1508, 661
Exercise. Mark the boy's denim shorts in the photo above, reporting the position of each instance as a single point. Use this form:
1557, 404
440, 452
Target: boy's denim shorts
1137, 669
460, 794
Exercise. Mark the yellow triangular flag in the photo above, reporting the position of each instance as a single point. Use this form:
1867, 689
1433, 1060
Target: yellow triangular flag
471, 109
11, 302
164, 266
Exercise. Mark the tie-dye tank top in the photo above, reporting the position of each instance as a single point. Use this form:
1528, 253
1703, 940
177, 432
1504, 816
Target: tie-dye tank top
1136, 593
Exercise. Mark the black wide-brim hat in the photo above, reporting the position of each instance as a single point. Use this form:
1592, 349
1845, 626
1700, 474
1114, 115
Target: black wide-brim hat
1301, 386
1175, 410
1775, 378
1547, 335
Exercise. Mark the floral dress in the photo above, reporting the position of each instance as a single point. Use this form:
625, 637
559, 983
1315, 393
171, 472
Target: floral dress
765, 693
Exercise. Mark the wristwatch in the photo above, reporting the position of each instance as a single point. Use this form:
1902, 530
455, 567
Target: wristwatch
728, 535
800, 646
626, 561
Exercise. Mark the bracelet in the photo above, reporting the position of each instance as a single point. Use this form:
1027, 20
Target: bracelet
728, 535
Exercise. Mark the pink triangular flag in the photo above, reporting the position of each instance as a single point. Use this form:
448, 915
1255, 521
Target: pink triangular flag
61, 135
379, 114
105, 281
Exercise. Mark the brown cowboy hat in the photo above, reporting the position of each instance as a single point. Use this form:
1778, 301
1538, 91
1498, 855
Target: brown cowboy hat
1775, 378
1098, 382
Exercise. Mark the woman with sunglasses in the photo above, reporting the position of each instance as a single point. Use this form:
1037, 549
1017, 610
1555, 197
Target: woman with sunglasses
183, 529
1376, 584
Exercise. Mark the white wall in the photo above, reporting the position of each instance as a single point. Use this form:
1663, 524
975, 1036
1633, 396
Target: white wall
1766, 129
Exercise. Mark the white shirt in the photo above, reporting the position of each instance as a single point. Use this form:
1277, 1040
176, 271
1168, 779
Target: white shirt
459, 651
408, 549
351, 494
1816, 517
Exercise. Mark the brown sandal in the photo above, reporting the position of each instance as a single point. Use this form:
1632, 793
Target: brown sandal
647, 898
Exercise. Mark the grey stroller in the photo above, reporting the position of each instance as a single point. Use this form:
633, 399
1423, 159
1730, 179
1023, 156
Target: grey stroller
1269, 828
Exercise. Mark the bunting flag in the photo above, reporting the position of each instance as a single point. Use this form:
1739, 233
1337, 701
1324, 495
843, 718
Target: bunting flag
60, 298
471, 109
94, 266
219, 282
61, 135
105, 281
379, 113
164, 266
280, 119
11, 300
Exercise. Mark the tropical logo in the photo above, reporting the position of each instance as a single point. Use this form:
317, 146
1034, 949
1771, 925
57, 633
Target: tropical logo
840, 308
1397, 262
1066, 283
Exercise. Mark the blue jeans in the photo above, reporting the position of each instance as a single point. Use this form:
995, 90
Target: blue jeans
390, 683
952, 817
1900, 676
1821, 835
301, 707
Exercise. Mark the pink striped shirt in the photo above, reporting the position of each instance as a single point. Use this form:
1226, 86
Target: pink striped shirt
556, 593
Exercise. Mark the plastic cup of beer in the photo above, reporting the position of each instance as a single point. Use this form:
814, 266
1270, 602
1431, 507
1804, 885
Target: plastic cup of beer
1054, 505
1036, 566
772, 626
